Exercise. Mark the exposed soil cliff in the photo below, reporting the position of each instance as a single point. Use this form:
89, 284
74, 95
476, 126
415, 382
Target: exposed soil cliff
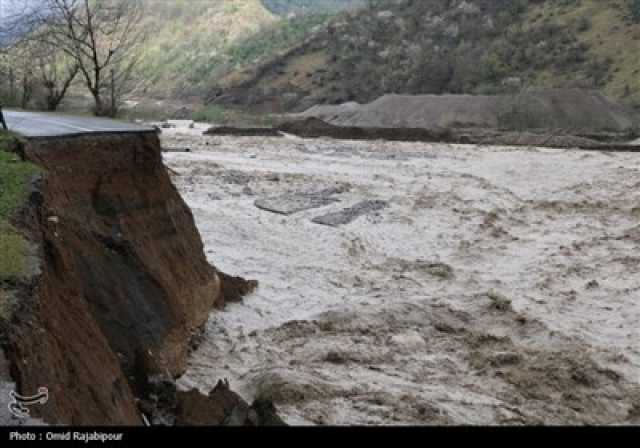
123, 281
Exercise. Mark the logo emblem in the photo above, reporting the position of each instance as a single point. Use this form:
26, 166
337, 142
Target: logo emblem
20, 404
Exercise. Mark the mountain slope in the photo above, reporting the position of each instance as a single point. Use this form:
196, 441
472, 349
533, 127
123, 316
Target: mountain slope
189, 38
456, 46
193, 43
605, 28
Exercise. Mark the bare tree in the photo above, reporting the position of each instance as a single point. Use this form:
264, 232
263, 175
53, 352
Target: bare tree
8, 93
42, 73
100, 37
20, 82
56, 72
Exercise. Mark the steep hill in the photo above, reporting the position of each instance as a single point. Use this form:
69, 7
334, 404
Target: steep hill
452, 46
192, 43
188, 39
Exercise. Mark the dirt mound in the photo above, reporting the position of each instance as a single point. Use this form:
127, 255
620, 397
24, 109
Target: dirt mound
313, 127
243, 131
235, 288
407, 111
569, 110
317, 128
168, 406
548, 139
223, 407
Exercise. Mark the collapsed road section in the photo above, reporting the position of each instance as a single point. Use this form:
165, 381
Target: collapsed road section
116, 284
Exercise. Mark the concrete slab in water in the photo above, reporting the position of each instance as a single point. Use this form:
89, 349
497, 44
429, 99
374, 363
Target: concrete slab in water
349, 215
294, 203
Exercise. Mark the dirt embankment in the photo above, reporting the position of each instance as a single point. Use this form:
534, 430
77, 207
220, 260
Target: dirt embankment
562, 118
122, 284
559, 118
317, 128
574, 111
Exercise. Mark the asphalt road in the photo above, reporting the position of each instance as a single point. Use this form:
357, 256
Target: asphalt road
45, 124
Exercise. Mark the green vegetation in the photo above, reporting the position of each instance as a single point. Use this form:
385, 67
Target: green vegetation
256, 48
611, 42
196, 43
634, 10
471, 47
12, 254
189, 39
221, 116
481, 46
274, 39
311, 6
14, 178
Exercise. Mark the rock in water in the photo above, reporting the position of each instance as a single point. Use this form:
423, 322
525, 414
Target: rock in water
235, 288
223, 407
294, 203
349, 215
267, 413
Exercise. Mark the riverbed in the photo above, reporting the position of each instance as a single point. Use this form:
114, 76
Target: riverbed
497, 286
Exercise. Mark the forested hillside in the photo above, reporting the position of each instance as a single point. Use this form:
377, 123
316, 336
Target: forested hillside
192, 43
188, 40
464, 46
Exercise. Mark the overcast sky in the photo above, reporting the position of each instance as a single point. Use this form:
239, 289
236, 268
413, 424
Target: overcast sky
8, 7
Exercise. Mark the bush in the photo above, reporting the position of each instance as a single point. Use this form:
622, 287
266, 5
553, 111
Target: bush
218, 115
634, 9
584, 24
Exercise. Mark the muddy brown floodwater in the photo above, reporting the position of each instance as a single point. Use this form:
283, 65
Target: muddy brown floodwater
497, 286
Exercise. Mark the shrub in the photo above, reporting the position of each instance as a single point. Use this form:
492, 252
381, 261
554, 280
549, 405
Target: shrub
634, 9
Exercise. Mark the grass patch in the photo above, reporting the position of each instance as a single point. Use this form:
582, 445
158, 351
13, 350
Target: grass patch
211, 114
221, 116
14, 178
12, 252
5, 305
14, 175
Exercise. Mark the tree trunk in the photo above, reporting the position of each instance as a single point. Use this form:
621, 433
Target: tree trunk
53, 101
114, 101
99, 105
12, 87
26, 92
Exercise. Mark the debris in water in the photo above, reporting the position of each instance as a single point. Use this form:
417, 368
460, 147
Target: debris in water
294, 203
349, 215
499, 301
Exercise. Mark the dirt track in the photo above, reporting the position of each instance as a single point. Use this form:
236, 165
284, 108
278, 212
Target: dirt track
499, 286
